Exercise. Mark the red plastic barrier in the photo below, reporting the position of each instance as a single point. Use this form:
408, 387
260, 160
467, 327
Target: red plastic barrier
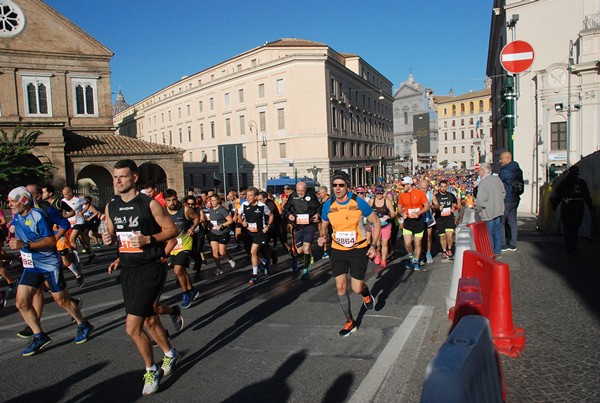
468, 300
494, 282
481, 236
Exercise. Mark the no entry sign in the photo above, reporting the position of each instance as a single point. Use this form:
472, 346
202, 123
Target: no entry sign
516, 56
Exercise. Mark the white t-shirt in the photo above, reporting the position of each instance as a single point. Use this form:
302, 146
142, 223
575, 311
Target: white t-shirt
77, 204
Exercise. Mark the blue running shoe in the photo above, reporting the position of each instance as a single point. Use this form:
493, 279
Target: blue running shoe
415, 265
194, 294
325, 255
305, 275
253, 280
36, 344
83, 333
186, 300
294, 265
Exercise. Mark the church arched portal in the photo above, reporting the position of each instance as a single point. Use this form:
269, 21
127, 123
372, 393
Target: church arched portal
150, 172
95, 181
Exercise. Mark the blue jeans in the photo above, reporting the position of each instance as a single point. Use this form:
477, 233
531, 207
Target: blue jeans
510, 218
494, 227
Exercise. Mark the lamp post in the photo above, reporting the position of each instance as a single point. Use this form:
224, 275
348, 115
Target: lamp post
253, 127
314, 171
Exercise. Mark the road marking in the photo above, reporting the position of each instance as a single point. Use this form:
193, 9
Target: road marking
374, 379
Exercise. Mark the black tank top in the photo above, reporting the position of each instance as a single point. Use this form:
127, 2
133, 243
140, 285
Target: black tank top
381, 211
135, 215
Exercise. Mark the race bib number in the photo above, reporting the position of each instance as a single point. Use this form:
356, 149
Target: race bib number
214, 223
345, 238
446, 211
302, 219
124, 239
27, 259
413, 212
179, 245
252, 227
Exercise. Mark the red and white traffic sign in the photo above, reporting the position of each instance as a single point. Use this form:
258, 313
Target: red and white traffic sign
368, 168
476, 167
516, 56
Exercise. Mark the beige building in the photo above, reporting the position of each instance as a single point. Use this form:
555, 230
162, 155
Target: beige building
558, 106
54, 77
297, 107
464, 127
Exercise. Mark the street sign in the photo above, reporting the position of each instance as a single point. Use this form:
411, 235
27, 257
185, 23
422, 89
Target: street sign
368, 168
476, 167
516, 56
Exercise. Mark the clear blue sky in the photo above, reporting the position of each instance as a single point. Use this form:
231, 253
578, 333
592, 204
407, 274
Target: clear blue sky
155, 43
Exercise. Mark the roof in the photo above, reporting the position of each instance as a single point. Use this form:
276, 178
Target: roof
468, 95
91, 145
285, 42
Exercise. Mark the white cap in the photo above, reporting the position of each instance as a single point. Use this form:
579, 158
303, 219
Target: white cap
407, 180
20, 194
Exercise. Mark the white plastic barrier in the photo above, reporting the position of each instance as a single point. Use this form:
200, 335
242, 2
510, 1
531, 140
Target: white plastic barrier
466, 368
464, 241
469, 216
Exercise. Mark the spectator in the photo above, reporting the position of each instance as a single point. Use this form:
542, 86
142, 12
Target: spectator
511, 176
490, 204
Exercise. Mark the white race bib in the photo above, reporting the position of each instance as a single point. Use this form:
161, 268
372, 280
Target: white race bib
124, 240
214, 223
179, 245
27, 259
252, 227
345, 238
302, 219
446, 211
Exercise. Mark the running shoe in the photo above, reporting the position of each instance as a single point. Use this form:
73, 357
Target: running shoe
83, 332
368, 301
266, 270
305, 275
377, 259
194, 294
176, 318
383, 263
450, 255
415, 265
168, 363
349, 327
274, 258
91, 258
186, 300
294, 265
36, 344
312, 260
253, 280
408, 264
26, 333
429, 258
231, 263
504, 248
325, 255
217, 272
444, 257
80, 281
510, 248
2, 299
151, 381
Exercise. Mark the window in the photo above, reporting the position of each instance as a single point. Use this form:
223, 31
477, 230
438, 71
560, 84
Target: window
189, 110
242, 124
241, 95
445, 111
214, 155
342, 120
342, 149
253, 62
211, 103
200, 107
333, 117
180, 136
37, 95
480, 106
445, 150
472, 148
169, 114
453, 135
162, 118
262, 120
462, 122
201, 131
340, 89
453, 110
261, 90
281, 119
453, 150
228, 126
239, 67
179, 113
462, 109
462, 134
445, 136
212, 130
471, 108
226, 99
85, 96
462, 149
334, 148
189, 133
280, 87
406, 118
203, 156
332, 86
559, 135
282, 150
471, 133
12, 21
170, 138
445, 123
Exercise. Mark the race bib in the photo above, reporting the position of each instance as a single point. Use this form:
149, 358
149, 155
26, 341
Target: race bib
179, 245
446, 211
302, 219
124, 240
252, 227
214, 223
413, 212
27, 259
345, 238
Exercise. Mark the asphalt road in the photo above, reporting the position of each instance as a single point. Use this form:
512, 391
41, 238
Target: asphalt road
276, 341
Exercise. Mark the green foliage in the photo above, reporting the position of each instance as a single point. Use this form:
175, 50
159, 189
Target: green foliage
18, 165
444, 163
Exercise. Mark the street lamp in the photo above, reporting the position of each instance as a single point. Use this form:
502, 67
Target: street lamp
314, 171
253, 127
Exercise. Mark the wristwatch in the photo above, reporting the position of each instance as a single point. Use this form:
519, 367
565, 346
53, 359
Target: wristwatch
25, 245
374, 246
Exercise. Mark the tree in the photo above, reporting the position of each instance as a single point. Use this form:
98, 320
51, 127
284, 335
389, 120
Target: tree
18, 165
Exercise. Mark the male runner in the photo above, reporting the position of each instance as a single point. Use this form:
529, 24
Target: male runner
41, 263
413, 204
141, 226
445, 204
77, 221
349, 249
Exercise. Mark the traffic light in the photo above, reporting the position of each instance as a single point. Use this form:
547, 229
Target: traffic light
507, 108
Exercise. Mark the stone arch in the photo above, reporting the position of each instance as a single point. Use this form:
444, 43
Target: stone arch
96, 181
151, 172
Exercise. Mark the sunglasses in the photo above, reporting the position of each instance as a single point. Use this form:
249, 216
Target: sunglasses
338, 185
360, 193
191, 204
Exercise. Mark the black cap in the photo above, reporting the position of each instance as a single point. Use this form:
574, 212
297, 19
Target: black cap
341, 175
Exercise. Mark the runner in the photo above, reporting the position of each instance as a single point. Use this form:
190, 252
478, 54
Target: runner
186, 220
142, 226
350, 251
275, 229
302, 211
77, 221
41, 263
414, 204
430, 222
384, 209
323, 197
445, 204
220, 223
252, 215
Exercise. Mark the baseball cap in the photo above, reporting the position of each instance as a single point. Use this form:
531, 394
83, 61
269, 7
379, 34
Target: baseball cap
360, 189
20, 194
407, 180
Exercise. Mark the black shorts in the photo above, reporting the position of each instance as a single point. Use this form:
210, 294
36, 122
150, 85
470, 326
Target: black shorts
78, 227
93, 225
259, 238
223, 238
354, 261
304, 234
181, 259
445, 223
141, 288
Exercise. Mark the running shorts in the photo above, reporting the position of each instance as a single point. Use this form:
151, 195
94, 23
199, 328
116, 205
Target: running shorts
304, 234
141, 287
35, 278
354, 261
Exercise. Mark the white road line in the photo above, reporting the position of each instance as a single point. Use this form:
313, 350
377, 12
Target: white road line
374, 379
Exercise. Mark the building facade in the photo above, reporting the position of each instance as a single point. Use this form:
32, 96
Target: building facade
413, 106
293, 107
558, 97
55, 78
465, 130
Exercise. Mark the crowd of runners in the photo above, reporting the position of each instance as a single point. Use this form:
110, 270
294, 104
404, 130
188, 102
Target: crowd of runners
157, 231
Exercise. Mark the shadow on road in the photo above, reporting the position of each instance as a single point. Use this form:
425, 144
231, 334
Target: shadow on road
338, 391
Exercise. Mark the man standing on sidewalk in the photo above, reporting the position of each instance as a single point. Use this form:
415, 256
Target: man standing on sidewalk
511, 176
490, 204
